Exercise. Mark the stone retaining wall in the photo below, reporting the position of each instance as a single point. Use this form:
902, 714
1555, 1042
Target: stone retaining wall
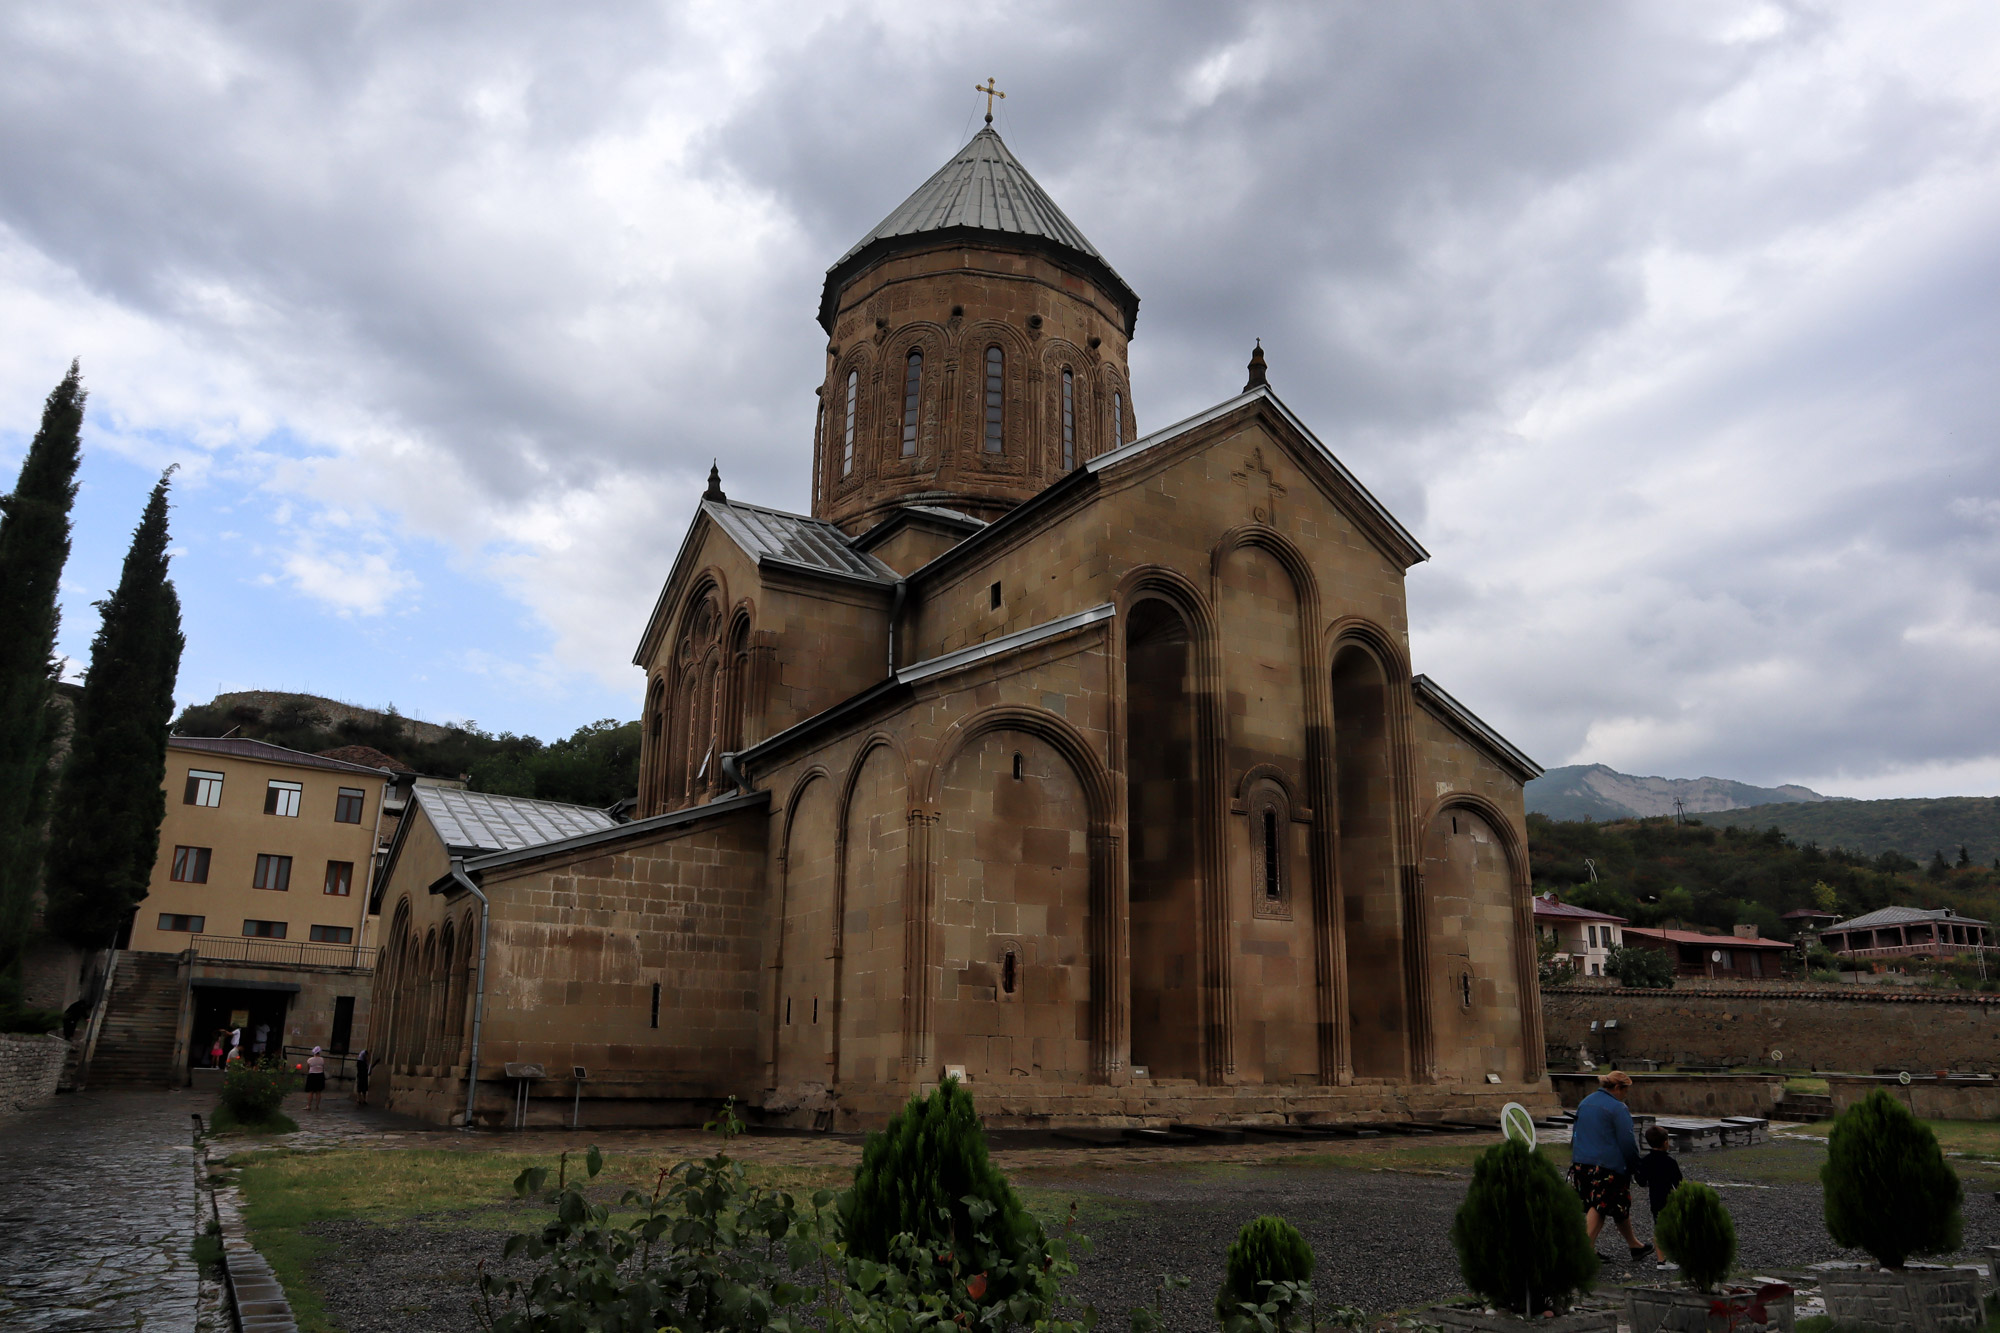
1711, 1095
1928, 1096
29, 1068
1921, 1298
1815, 1029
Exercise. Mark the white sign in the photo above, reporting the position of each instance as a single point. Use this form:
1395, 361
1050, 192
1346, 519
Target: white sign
1904, 1078
1777, 1056
1517, 1124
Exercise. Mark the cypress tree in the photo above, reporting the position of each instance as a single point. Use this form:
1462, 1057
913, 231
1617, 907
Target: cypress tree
110, 803
34, 544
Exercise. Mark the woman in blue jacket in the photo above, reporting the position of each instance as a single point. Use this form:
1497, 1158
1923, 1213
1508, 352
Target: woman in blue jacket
1603, 1150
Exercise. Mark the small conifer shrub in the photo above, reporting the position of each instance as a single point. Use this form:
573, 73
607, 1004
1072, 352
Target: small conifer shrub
1519, 1234
1886, 1185
1696, 1232
914, 1180
1269, 1249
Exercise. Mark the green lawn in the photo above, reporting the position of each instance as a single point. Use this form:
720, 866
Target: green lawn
285, 1190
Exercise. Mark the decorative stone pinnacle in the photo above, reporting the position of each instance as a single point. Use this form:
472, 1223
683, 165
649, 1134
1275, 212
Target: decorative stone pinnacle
1257, 380
714, 491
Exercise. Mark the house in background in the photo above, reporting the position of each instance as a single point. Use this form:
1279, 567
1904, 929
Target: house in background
256, 916
1908, 932
1743, 955
1587, 937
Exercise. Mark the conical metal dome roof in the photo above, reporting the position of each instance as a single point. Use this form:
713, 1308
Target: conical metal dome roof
983, 189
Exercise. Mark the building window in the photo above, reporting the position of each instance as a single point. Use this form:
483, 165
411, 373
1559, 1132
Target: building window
1117, 420
1069, 419
273, 872
1010, 971
819, 447
1465, 990
190, 865
996, 377
656, 1006
282, 798
177, 921
264, 930
993, 598
340, 878
847, 447
1274, 883
347, 805
333, 934
913, 374
1020, 766
202, 788
1592, 932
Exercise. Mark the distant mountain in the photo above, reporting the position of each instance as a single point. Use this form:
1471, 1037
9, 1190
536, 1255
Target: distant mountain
1593, 791
1913, 828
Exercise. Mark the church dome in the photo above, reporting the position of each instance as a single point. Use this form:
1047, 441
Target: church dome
976, 350
984, 188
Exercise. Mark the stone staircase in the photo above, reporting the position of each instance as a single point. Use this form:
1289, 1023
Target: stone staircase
1804, 1107
135, 1047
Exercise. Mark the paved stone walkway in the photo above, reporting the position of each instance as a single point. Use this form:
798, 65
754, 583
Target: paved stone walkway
98, 1215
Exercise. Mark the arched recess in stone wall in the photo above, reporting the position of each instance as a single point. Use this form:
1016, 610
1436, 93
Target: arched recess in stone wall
870, 855
389, 980
1212, 1027
1103, 1035
1485, 991
439, 1043
652, 749
1366, 820
803, 966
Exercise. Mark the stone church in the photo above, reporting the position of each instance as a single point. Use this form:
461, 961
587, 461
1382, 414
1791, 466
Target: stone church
1084, 763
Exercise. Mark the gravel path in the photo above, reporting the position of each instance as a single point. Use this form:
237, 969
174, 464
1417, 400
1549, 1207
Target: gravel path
1381, 1239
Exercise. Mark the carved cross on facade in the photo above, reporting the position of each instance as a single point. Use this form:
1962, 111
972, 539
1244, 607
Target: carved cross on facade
1265, 489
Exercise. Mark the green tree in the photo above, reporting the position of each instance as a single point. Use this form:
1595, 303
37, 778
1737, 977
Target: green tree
1937, 869
1886, 1186
1648, 969
1520, 1233
1269, 1249
105, 834
34, 545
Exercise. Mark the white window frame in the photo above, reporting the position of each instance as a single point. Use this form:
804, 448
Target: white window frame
207, 787
282, 798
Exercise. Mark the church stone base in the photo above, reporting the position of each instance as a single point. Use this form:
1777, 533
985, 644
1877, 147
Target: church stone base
647, 1103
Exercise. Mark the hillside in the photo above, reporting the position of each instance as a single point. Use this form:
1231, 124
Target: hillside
1655, 870
1913, 828
597, 765
1593, 791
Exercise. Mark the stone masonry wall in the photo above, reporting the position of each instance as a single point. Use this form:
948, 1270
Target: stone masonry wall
1817, 1029
29, 1067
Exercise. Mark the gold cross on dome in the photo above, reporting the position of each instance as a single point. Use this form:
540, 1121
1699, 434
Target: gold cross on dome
991, 92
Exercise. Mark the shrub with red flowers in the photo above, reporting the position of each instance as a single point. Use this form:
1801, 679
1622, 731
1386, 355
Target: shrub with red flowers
254, 1092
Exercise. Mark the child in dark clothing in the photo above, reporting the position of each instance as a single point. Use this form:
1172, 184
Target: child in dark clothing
1660, 1174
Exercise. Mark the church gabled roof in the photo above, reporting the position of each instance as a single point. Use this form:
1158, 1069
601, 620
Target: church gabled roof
984, 188
772, 536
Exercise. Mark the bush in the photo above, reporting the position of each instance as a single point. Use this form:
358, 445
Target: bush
1646, 969
35, 1022
1887, 1187
927, 1176
1519, 1234
1266, 1252
1696, 1232
254, 1092
706, 1250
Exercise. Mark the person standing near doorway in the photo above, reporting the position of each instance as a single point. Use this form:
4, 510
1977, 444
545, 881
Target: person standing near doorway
260, 1040
361, 1078
1603, 1152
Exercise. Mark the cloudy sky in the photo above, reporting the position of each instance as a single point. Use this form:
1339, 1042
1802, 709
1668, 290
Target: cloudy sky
1671, 329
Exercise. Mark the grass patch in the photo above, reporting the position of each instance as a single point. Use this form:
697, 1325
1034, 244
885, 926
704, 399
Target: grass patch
285, 1191
207, 1250
1815, 1087
1417, 1158
222, 1120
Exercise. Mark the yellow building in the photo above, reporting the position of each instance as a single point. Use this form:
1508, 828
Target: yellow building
257, 912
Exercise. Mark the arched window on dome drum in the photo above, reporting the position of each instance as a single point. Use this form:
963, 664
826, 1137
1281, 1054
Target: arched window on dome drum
996, 368
1069, 419
1117, 419
913, 376
847, 446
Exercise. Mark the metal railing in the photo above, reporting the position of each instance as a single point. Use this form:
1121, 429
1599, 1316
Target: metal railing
1916, 949
278, 953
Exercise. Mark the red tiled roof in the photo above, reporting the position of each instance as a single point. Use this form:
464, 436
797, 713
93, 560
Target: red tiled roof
1548, 909
1701, 938
367, 756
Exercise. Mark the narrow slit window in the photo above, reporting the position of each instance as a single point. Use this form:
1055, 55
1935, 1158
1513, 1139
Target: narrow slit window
913, 377
1010, 971
996, 377
1069, 418
1273, 882
993, 597
788, 1011
847, 444
819, 447
656, 1004
815, 1008
1020, 768
1117, 420
1465, 989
